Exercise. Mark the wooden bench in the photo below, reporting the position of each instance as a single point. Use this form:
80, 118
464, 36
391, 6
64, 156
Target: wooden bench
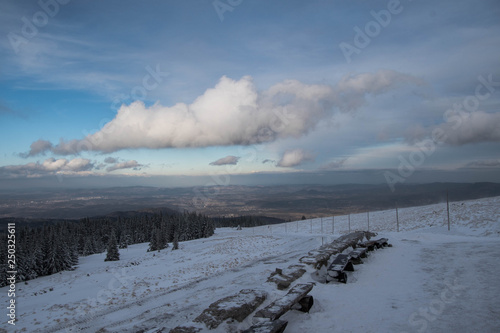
237, 307
372, 244
382, 242
320, 257
356, 255
338, 267
279, 307
282, 279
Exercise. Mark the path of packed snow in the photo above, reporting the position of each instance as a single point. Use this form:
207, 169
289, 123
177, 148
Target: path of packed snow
431, 280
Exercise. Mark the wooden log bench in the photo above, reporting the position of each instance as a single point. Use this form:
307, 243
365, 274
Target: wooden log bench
236, 307
282, 279
277, 326
356, 255
185, 329
320, 257
338, 267
279, 307
382, 242
373, 244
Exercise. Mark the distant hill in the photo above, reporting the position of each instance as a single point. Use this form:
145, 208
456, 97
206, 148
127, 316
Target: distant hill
283, 202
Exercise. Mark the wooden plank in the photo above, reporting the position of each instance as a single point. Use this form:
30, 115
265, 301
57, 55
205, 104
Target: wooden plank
356, 255
236, 307
282, 279
382, 242
185, 329
339, 263
369, 245
277, 326
279, 307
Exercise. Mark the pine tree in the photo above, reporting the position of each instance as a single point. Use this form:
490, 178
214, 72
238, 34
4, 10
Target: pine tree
153, 244
163, 236
113, 253
175, 245
88, 247
124, 241
3, 260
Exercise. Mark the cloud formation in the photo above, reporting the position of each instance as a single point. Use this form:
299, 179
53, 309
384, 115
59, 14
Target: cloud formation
484, 164
38, 147
294, 157
352, 89
228, 160
337, 164
47, 167
231, 113
110, 160
476, 127
132, 164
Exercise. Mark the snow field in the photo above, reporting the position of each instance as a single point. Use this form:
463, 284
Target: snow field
432, 280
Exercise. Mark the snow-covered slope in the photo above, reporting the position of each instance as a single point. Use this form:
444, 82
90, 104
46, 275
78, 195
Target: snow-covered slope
431, 280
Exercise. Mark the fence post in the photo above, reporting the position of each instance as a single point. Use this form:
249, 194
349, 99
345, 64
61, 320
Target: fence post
368, 216
333, 225
448, 210
397, 217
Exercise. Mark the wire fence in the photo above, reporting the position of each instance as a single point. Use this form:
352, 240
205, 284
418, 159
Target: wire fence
395, 220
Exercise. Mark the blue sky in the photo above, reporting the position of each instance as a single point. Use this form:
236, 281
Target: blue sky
196, 88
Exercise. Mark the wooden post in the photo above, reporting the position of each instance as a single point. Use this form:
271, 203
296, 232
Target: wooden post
448, 210
368, 216
397, 217
349, 219
333, 224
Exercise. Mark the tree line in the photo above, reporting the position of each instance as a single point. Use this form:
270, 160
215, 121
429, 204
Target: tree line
246, 221
56, 247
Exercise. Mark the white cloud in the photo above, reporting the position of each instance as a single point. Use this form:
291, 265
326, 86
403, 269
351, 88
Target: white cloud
294, 157
132, 164
352, 89
38, 147
78, 164
47, 167
228, 160
231, 113
464, 128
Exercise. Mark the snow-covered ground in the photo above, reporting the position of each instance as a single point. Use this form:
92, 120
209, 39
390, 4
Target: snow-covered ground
431, 280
